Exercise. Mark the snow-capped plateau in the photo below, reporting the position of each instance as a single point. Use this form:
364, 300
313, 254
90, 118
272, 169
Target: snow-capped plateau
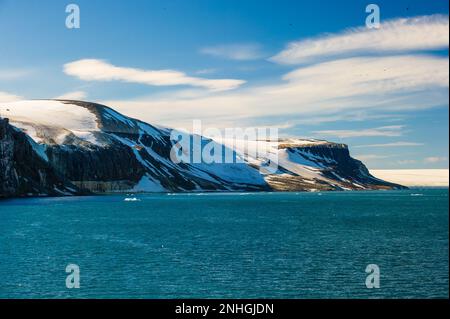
88, 147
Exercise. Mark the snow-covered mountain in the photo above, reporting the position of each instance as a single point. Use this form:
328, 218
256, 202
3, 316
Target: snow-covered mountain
88, 147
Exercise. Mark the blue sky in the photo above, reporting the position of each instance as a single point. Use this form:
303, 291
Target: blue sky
288, 64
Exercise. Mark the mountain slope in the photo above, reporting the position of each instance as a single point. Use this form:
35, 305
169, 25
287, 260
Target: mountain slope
312, 165
98, 149
24, 167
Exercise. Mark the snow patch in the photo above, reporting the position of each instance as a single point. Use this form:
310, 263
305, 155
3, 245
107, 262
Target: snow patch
49, 116
148, 184
51, 113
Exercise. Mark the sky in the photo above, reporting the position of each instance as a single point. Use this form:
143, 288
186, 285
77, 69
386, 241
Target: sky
310, 68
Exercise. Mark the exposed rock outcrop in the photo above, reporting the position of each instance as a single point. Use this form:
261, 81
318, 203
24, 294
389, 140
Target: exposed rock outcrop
53, 148
24, 170
338, 170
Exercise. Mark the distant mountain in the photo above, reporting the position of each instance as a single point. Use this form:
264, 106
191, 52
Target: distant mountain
59, 147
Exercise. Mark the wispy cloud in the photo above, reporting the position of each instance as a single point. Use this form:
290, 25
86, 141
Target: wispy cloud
7, 97
406, 162
374, 85
394, 144
206, 71
400, 35
329, 91
369, 157
76, 95
435, 159
99, 70
393, 130
242, 52
12, 74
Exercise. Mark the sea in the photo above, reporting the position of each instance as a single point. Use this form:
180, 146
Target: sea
356, 244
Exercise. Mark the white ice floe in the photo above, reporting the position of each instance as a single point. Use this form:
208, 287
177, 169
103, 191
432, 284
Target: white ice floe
132, 199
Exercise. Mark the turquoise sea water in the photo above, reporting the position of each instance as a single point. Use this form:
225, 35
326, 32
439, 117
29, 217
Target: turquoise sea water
271, 245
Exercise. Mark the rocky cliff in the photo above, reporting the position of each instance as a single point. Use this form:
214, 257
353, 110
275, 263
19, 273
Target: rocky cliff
329, 167
24, 170
71, 147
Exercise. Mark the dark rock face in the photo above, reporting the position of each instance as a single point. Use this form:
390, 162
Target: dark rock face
349, 168
23, 172
150, 144
116, 162
341, 170
127, 155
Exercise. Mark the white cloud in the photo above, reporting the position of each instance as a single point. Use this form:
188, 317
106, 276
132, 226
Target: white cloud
435, 159
393, 130
400, 35
7, 97
331, 90
241, 52
76, 95
394, 144
98, 70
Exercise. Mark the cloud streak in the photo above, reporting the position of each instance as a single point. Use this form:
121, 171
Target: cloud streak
435, 159
394, 144
11, 74
240, 52
99, 70
400, 35
393, 130
333, 90
369, 157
